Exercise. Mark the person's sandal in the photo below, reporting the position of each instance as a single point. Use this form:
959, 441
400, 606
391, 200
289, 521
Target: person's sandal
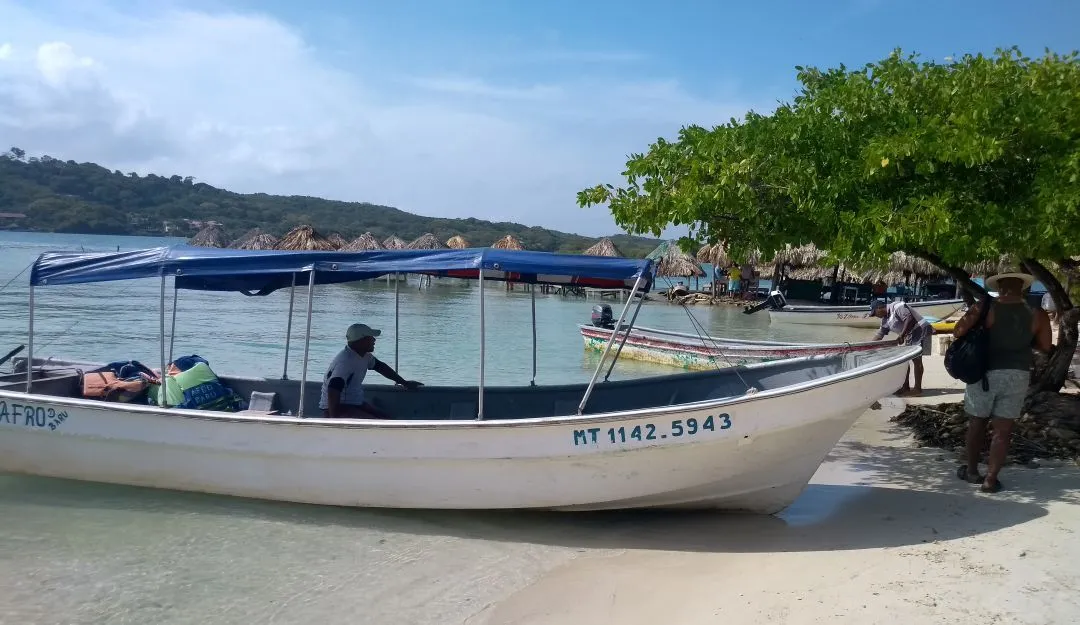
962, 473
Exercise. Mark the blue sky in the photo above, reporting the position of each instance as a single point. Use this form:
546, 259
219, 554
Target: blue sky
499, 110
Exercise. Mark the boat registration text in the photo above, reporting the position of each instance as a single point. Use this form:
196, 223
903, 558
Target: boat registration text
31, 416
678, 428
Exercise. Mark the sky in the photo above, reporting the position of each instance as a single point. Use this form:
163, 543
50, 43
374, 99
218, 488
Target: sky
453, 108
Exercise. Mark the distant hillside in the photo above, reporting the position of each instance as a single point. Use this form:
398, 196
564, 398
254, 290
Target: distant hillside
50, 195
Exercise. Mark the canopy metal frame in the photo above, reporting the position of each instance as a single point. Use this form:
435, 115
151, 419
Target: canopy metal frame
637, 289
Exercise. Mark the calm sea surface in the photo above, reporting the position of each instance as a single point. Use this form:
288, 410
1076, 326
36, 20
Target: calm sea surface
84, 553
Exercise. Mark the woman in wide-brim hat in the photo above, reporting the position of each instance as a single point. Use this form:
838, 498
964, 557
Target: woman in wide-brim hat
993, 281
1013, 328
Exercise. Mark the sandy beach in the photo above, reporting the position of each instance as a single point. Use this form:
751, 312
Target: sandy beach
885, 533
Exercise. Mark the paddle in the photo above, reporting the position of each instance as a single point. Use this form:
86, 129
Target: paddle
8, 355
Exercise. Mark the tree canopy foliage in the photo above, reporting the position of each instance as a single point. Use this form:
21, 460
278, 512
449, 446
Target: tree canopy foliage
65, 196
961, 162
957, 163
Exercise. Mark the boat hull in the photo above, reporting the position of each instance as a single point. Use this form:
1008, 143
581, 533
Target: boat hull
855, 316
757, 456
686, 351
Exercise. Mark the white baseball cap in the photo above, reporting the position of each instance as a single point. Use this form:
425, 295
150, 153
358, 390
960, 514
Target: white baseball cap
359, 331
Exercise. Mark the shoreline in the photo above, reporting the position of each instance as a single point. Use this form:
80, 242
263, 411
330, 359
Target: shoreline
884, 533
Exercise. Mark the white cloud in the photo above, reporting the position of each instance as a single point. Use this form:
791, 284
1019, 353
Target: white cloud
243, 102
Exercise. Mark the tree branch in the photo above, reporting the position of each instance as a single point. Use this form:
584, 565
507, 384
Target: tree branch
970, 289
1062, 301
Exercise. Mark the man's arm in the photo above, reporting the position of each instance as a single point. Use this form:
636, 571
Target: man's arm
388, 372
1043, 332
333, 396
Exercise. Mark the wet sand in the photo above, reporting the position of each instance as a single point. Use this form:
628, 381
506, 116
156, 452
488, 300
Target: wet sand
885, 533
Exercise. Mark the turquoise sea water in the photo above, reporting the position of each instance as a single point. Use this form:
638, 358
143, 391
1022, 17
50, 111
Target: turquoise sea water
73, 552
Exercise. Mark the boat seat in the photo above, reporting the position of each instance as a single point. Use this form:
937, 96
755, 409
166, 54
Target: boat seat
261, 404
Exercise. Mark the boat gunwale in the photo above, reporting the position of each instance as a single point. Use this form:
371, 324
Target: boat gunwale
737, 344
810, 308
903, 354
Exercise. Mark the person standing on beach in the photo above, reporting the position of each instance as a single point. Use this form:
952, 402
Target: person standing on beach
911, 329
1014, 328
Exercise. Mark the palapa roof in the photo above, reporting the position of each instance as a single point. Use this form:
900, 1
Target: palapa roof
427, 241
255, 239
364, 243
261, 241
457, 242
604, 247
338, 240
305, 238
210, 236
509, 242
394, 242
672, 262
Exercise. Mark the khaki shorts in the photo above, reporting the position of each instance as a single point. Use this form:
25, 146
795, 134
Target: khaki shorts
921, 335
1003, 400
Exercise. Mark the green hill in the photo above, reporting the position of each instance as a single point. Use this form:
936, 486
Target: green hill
50, 195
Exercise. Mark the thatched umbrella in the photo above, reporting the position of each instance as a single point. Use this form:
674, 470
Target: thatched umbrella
337, 240
604, 247
426, 241
457, 242
672, 262
394, 243
210, 236
364, 243
261, 241
304, 238
509, 242
801, 256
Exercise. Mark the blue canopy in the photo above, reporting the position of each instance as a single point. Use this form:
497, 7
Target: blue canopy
260, 272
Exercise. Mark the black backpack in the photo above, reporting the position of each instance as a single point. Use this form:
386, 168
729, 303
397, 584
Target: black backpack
966, 358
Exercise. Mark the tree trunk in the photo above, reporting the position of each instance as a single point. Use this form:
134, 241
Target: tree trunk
969, 290
834, 296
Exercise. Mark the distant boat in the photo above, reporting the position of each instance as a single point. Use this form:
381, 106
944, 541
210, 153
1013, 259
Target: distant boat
690, 351
849, 316
744, 438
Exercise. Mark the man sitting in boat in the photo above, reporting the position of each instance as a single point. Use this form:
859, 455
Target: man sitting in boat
342, 388
911, 329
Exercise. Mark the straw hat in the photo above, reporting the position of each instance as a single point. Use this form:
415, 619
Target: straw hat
992, 281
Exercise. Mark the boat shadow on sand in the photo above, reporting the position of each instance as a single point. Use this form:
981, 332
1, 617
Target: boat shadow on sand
890, 496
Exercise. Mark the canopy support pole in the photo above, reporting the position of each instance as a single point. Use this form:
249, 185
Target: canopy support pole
633, 319
172, 330
397, 318
307, 341
163, 398
480, 400
288, 328
532, 292
30, 346
607, 348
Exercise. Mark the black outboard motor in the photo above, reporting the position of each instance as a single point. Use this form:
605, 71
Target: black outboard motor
602, 317
775, 301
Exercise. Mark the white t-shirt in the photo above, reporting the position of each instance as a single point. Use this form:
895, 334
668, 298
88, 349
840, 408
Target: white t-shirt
897, 315
352, 368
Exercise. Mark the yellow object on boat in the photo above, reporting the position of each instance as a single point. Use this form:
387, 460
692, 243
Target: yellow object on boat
943, 326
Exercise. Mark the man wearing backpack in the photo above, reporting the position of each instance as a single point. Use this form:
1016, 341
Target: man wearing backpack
1013, 329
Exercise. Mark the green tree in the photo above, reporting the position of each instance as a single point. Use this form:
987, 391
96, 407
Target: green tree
956, 163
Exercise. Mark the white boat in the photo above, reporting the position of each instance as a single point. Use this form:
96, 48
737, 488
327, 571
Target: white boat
854, 316
745, 438
697, 352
